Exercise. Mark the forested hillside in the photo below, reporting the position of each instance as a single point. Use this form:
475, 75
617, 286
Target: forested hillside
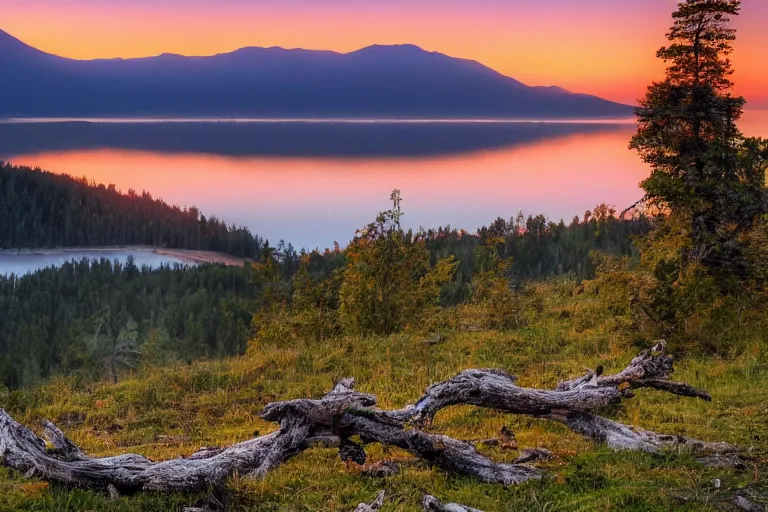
522, 367
103, 319
539, 247
43, 209
92, 319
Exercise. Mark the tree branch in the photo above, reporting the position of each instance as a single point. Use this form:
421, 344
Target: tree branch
344, 413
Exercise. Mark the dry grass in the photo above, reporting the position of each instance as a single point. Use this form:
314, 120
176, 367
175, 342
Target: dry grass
168, 412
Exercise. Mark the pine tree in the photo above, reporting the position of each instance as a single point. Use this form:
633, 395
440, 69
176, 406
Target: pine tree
688, 134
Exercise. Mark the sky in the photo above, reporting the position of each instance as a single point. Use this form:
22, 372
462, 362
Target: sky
602, 47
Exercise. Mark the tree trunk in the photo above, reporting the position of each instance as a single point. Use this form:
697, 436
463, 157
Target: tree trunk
344, 412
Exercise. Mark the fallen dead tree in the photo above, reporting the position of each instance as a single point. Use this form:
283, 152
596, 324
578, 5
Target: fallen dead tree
344, 413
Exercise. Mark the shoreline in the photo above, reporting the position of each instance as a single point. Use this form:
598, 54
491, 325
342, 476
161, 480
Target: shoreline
185, 255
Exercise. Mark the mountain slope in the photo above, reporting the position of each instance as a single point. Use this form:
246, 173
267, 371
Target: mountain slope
383, 81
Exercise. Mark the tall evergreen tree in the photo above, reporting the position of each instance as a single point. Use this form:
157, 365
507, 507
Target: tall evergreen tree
688, 134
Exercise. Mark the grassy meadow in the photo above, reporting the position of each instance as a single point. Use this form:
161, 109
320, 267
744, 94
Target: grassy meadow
168, 412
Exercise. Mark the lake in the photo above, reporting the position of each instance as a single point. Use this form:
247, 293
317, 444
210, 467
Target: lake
313, 182
23, 262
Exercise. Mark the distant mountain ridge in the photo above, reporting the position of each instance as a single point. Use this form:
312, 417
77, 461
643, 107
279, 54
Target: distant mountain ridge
402, 81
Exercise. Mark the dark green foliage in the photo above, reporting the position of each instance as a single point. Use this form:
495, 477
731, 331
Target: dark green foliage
537, 247
708, 180
95, 318
703, 169
42, 209
389, 282
103, 319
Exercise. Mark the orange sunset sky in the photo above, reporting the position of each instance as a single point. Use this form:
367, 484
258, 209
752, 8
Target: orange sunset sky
603, 47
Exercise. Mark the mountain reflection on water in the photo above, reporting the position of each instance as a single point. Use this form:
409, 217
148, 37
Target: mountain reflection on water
316, 182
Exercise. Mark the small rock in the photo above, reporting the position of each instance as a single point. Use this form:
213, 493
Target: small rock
532, 455
724, 461
382, 469
350, 451
508, 440
716, 482
744, 504
435, 339
373, 506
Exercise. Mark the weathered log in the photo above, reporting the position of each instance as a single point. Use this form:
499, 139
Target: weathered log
302, 424
64, 448
22, 450
677, 388
348, 413
432, 504
650, 369
451, 455
344, 413
496, 389
571, 402
624, 437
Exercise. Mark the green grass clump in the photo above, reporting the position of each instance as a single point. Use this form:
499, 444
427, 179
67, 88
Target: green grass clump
171, 411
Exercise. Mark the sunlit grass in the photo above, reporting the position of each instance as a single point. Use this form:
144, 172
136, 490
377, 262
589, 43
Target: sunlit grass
168, 412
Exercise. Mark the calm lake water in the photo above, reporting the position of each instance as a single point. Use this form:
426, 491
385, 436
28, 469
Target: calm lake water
23, 262
314, 182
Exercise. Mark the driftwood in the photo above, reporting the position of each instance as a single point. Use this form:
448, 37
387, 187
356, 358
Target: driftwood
344, 413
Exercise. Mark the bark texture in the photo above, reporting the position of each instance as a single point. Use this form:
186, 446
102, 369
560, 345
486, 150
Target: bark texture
344, 413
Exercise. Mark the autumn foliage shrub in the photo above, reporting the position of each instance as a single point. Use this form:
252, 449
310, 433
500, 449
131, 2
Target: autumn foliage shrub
389, 283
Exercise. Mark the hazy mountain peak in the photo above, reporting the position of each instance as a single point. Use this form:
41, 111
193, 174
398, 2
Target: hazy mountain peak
392, 48
390, 52
257, 49
401, 80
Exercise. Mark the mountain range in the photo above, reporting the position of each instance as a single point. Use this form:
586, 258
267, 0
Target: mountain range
399, 81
